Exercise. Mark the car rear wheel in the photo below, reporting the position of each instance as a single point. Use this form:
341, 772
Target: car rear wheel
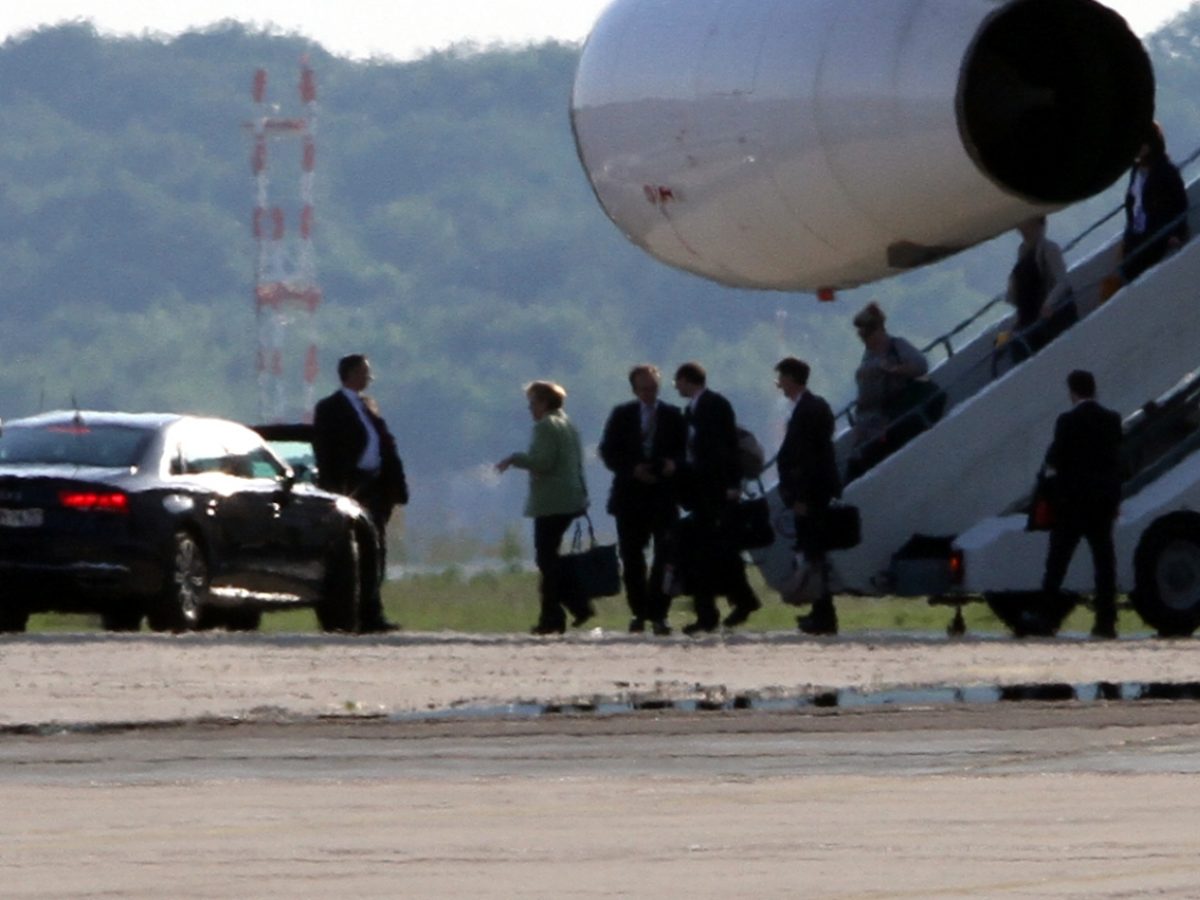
13, 616
180, 605
1166, 568
125, 619
337, 608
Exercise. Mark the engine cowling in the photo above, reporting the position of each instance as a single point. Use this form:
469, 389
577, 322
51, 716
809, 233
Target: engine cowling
810, 144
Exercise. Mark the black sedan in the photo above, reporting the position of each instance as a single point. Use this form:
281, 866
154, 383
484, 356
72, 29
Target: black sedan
189, 522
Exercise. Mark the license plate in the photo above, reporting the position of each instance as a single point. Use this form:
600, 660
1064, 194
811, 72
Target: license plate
20, 518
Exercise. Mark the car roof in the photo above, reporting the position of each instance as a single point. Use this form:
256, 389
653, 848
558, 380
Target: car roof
99, 417
286, 431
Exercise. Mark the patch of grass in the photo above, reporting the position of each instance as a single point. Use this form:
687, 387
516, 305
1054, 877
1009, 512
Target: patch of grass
56, 622
489, 602
506, 602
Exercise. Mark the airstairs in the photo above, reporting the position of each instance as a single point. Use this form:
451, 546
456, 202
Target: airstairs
1162, 474
1156, 536
982, 455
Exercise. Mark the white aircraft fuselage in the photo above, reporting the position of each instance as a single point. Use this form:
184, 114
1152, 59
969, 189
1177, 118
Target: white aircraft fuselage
803, 145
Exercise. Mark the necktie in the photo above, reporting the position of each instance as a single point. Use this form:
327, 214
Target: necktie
649, 420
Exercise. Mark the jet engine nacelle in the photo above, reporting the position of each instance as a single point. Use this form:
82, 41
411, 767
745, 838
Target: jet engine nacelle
811, 144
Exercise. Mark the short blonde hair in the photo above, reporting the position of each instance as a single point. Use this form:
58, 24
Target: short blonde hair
548, 392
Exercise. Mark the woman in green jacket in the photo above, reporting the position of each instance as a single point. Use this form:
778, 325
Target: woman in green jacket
557, 496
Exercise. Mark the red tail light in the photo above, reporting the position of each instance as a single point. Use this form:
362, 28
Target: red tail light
109, 501
957, 566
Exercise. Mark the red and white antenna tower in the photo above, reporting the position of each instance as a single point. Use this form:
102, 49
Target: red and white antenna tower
285, 288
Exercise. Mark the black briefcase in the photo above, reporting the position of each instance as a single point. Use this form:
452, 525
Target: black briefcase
747, 524
843, 527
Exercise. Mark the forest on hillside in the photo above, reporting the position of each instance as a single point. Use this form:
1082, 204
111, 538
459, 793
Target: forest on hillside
457, 241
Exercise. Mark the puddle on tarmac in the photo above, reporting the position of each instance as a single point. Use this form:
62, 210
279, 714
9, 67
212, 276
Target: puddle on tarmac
715, 701
846, 698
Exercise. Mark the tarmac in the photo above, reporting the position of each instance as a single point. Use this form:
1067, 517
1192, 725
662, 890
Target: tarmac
599, 765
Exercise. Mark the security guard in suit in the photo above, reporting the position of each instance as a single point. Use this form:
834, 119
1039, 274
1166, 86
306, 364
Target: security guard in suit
356, 456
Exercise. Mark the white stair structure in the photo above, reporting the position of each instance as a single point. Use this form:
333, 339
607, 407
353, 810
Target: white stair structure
1156, 536
985, 452
1000, 555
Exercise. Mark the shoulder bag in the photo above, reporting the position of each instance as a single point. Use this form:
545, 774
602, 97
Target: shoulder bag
591, 571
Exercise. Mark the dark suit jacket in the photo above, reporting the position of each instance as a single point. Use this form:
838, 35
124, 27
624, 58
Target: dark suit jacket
1086, 459
339, 438
713, 468
807, 467
622, 450
1164, 198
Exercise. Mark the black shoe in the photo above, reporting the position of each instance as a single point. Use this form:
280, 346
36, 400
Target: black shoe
382, 626
740, 614
1104, 631
1029, 623
661, 628
541, 629
637, 626
818, 623
699, 627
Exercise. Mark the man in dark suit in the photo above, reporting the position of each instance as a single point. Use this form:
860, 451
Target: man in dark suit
643, 446
1156, 205
356, 455
808, 480
710, 485
1084, 471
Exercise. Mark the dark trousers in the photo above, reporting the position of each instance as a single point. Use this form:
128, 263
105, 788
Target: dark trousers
548, 533
1035, 334
647, 600
810, 533
370, 494
1140, 254
1064, 538
718, 568
810, 542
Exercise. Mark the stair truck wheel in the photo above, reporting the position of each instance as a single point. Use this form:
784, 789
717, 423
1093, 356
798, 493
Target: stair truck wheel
1166, 568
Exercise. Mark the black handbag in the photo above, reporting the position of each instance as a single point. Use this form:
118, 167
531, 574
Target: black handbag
748, 523
591, 571
842, 526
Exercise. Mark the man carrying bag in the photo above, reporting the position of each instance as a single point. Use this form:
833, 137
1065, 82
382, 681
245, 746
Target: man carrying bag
808, 481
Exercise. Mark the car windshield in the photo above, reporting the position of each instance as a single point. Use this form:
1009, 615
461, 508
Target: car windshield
298, 455
77, 444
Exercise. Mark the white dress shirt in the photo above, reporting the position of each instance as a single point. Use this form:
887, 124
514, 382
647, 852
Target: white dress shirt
371, 460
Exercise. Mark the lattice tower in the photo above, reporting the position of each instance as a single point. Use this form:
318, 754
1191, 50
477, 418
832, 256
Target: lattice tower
285, 277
